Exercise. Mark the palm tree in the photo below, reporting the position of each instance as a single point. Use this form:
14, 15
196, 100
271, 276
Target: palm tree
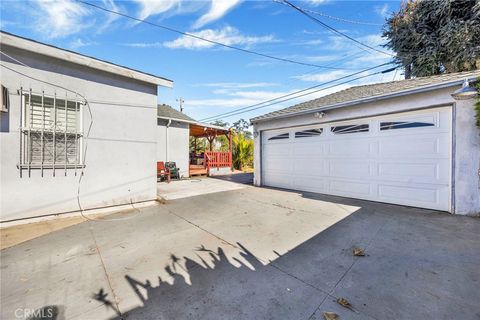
242, 151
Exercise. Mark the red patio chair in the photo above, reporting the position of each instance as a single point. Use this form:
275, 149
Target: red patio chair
162, 171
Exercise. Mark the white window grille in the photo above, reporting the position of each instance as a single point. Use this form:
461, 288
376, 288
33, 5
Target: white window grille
5, 100
51, 133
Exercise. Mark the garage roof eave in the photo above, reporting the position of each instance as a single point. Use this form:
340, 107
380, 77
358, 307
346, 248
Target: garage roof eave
177, 119
365, 100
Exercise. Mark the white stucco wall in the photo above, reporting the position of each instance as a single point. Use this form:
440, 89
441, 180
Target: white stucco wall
120, 161
466, 182
173, 144
467, 159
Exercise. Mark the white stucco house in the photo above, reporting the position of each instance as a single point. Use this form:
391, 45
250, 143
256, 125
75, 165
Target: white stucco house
406, 142
174, 131
76, 132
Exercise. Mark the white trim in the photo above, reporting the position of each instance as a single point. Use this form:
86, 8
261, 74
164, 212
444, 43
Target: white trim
193, 122
73, 57
177, 119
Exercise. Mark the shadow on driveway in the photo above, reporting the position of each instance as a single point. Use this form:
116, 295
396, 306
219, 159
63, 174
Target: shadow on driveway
253, 253
419, 264
243, 178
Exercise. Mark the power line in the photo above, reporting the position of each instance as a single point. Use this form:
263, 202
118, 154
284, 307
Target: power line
333, 29
342, 58
318, 13
259, 105
308, 93
204, 39
293, 93
342, 19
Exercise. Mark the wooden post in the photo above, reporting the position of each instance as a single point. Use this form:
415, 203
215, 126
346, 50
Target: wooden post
231, 147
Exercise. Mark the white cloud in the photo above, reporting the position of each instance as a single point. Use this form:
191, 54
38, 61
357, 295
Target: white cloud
322, 76
218, 8
153, 7
144, 44
79, 43
228, 35
383, 10
313, 42
236, 85
316, 2
322, 58
227, 102
60, 18
111, 17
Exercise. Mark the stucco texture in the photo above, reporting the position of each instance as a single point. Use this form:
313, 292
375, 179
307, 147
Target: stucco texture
120, 157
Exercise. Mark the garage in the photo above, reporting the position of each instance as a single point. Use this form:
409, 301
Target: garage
411, 142
402, 158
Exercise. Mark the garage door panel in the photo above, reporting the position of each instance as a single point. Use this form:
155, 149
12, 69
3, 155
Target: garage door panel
278, 180
410, 147
404, 159
396, 193
277, 150
347, 169
352, 188
306, 149
353, 147
426, 172
310, 184
312, 167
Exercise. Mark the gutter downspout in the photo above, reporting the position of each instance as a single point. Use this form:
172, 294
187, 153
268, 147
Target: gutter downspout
166, 139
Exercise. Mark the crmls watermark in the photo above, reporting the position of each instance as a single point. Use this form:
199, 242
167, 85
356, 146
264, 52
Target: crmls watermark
47, 313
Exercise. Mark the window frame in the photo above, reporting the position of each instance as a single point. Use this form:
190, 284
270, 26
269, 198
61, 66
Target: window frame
26, 130
303, 133
278, 137
395, 125
347, 128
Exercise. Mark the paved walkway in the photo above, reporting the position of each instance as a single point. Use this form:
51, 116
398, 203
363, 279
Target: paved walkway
250, 253
196, 186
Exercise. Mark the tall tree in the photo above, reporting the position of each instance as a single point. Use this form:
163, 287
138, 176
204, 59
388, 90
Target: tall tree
241, 126
434, 37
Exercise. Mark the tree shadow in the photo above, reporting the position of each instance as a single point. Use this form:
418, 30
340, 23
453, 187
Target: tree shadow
222, 291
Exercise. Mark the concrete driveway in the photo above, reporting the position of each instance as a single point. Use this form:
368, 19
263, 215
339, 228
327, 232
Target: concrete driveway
250, 253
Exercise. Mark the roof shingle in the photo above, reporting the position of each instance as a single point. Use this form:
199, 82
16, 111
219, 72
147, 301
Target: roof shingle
165, 111
359, 93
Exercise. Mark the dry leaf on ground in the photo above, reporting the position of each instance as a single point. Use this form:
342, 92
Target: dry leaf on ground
359, 252
330, 316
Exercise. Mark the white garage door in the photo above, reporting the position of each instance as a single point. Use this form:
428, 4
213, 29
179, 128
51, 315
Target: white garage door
403, 158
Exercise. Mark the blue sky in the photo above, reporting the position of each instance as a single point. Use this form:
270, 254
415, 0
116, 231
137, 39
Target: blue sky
209, 78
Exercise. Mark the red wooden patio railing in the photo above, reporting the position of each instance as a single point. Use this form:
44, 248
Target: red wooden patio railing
218, 159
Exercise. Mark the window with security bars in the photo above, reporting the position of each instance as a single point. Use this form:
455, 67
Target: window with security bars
51, 132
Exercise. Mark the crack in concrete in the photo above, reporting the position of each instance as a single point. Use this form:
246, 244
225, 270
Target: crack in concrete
115, 297
348, 270
271, 264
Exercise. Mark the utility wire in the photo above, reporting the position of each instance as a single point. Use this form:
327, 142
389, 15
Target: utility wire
191, 35
302, 11
341, 19
308, 93
291, 94
318, 13
342, 58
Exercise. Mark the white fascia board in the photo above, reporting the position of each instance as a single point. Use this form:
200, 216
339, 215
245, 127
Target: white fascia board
73, 57
177, 119
208, 125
